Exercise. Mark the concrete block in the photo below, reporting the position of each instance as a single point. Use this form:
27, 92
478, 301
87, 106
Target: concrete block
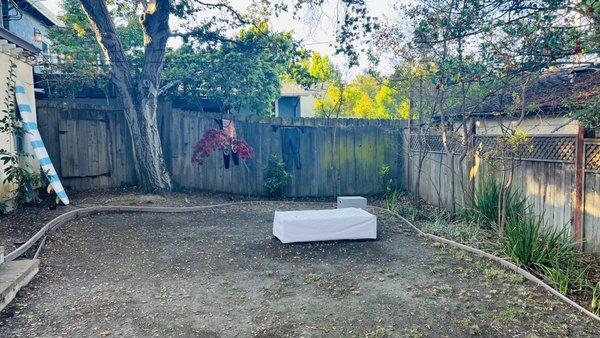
15, 275
352, 202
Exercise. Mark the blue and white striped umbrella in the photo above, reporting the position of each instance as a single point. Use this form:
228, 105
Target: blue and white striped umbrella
27, 111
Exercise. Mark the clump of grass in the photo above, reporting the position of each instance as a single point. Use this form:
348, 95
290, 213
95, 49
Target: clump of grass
312, 278
595, 302
566, 276
486, 200
526, 242
392, 199
408, 211
486, 197
392, 194
461, 231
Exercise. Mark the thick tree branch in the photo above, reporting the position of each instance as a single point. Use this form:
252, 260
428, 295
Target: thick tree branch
155, 21
226, 7
107, 37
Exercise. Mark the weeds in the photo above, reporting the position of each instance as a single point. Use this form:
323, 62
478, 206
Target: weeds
391, 200
462, 231
392, 194
526, 240
408, 211
595, 303
566, 277
312, 278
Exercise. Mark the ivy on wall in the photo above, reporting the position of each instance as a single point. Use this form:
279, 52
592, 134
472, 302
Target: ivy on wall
15, 169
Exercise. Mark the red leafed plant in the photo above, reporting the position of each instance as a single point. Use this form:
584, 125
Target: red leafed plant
242, 148
216, 140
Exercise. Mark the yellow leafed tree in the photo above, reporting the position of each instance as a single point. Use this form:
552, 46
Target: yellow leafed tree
364, 97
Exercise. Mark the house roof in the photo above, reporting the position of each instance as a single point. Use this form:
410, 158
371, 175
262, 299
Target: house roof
36, 7
293, 89
553, 93
12, 44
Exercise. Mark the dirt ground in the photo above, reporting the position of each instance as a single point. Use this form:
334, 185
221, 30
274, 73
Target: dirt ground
220, 272
17, 227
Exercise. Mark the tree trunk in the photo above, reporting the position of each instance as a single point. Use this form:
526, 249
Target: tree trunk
140, 100
148, 155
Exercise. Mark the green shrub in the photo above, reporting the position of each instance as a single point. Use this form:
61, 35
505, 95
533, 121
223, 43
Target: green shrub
485, 204
526, 242
276, 176
486, 199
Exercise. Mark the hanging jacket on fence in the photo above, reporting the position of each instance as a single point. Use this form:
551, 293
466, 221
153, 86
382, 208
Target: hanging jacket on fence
290, 143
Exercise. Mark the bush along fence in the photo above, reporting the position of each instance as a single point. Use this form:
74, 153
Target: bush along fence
322, 157
558, 174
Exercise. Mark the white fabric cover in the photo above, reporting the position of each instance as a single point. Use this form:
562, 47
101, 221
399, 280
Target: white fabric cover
324, 225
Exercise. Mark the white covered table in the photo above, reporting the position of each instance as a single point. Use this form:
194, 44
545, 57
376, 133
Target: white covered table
324, 225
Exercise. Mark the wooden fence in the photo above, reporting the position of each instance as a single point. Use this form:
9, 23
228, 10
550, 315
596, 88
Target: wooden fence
547, 175
91, 147
88, 144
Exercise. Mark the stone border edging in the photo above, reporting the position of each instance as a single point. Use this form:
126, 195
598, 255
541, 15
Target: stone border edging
497, 259
73, 214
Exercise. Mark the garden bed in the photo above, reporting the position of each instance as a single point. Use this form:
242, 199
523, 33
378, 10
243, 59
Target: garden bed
433, 220
220, 272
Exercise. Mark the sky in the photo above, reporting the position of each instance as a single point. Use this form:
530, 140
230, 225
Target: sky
317, 36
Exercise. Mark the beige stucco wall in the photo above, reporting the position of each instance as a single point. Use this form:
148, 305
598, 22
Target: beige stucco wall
307, 97
307, 106
533, 126
24, 74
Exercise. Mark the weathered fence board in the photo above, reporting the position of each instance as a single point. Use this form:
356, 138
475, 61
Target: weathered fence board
436, 179
547, 185
591, 214
546, 176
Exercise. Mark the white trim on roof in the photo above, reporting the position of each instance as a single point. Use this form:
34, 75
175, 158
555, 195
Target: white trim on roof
14, 51
48, 14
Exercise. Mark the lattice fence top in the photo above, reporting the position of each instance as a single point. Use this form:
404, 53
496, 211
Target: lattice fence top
434, 143
544, 148
592, 157
537, 148
540, 148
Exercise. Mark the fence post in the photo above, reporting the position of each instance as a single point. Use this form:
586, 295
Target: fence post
579, 188
408, 161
